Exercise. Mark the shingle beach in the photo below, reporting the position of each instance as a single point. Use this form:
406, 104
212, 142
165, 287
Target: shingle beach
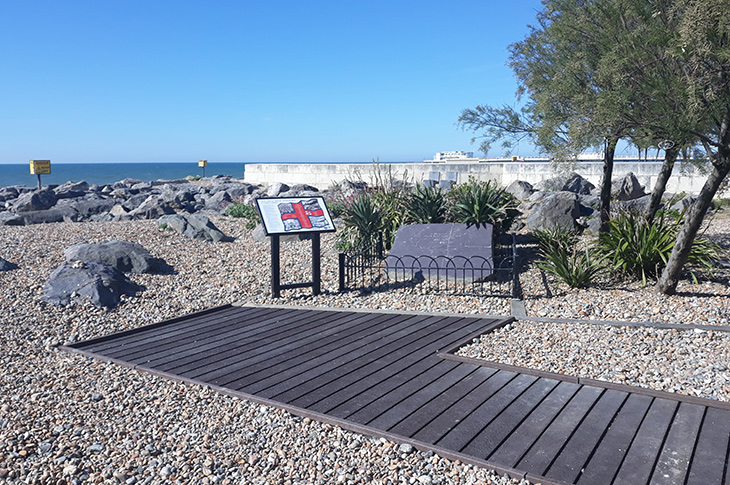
65, 418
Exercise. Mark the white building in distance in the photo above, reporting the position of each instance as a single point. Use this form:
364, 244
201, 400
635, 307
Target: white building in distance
452, 155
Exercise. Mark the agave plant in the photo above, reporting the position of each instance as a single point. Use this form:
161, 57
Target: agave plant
362, 219
558, 236
427, 205
477, 202
577, 269
641, 249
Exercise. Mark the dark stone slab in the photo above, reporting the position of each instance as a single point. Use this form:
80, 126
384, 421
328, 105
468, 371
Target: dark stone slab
455, 251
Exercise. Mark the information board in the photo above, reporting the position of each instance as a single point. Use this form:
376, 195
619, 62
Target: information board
40, 167
294, 215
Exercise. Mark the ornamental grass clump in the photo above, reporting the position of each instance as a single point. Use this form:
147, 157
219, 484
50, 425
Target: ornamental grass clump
639, 249
561, 258
427, 205
477, 202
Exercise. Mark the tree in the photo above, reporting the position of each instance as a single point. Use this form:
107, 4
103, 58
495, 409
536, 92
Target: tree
702, 55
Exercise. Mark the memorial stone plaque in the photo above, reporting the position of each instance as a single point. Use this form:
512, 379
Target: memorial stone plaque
455, 251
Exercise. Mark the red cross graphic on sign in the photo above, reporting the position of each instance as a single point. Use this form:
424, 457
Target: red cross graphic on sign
301, 214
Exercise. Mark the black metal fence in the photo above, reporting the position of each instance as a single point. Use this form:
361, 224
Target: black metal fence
369, 269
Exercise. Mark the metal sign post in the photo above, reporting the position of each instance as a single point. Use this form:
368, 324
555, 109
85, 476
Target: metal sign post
306, 217
203, 164
38, 167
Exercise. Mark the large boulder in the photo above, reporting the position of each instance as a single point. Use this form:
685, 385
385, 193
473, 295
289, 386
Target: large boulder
635, 205
6, 265
54, 214
276, 188
101, 284
520, 190
179, 197
8, 193
89, 205
195, 226
127, 257
627, 188
578, 185
558, 209
10, 219
35, 201
152, 208
71, 190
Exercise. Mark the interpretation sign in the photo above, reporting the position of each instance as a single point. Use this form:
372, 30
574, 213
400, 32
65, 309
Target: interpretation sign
294, 215
454, 251
40, 167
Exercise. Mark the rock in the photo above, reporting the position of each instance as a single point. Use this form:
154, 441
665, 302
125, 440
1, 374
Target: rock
71, 190
178, 198
275, 189
684, 203
8, 193
127, 257
578, 185
627, 188
637, 205
10, 219
558, 209
35, 201
553, 184
152, 208
521, 190
300, 190
89, 205
218, 201
56, 214
101, 284
6, 265
592, 225
405, 448
194, 226
135, 201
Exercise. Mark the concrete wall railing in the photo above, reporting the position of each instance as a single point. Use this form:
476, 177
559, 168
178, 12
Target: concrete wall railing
685, 178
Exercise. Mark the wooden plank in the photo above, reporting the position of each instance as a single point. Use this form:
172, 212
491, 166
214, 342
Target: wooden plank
388, 410
609, 454
673, 463
235, 354
711, 455
336, 387
638, 464
500, 428
269, 379
516, 445
195, 338
445, 422
473, 423
413, 423
542, 453
568, 464
152, 333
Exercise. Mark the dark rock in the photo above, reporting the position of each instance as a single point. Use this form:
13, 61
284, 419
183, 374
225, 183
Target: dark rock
592, 225
152, 208
194, 226
178, 198
627, 188
554, 184
8, 193
71, 190
637, 205
684, 204
520, 189
97, 282
6, 265
10, 219
134, 201
55, 214
127, 257
126, 183
89, 205
578, 185
35, 201
218, 202
558, 209
300, 190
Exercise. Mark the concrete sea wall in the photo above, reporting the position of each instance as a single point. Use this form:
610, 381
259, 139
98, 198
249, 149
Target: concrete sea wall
685, 178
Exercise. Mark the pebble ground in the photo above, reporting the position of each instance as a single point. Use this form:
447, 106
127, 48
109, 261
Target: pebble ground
69, 419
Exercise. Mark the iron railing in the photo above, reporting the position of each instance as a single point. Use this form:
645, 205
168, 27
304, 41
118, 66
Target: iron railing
369, 269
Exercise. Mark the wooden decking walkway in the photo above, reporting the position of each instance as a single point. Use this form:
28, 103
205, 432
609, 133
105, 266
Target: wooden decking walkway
390, 374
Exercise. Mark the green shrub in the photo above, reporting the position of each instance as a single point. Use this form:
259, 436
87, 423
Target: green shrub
640, 249
575, 268
427, 205
245, 210
559, 236
362, 221
477, 202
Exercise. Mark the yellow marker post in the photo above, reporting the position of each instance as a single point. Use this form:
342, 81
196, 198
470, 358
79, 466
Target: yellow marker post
38, 167
203, 164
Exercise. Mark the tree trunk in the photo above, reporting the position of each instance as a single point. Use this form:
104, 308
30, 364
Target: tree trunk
680, 253
606, 184
670, 157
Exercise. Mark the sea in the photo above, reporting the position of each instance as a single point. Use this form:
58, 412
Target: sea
107, 173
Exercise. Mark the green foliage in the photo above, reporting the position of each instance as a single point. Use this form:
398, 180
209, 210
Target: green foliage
245, 210
577, 269
634, 247
559, 236
477, 202
427, 205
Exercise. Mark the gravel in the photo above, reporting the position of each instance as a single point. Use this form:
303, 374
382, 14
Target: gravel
69, 419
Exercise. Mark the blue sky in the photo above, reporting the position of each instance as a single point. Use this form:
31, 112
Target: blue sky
128, 80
